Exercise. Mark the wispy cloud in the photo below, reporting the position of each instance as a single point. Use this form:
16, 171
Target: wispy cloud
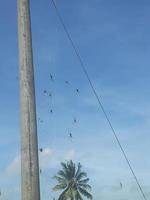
14, 167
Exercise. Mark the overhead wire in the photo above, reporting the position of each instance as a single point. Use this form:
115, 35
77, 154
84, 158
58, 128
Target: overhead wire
98, 98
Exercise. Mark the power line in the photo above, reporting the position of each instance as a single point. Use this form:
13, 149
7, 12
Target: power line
97, 97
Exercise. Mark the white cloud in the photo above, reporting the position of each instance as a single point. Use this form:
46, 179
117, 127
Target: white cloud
70, 155
45, 158
14, 167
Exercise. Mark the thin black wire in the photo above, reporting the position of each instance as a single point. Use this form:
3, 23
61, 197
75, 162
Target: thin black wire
98, 99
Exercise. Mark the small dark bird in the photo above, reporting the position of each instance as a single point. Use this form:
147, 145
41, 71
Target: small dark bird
70, 135
77, 90
75, 120
67, 82
44, 91
40, 120
50, 94
51, 111
41, 150
121, 185
40, 171
51, 76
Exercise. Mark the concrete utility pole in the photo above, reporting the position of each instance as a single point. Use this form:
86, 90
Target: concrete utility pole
29, 142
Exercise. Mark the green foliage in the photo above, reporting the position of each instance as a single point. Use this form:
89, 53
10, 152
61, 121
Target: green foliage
73, 182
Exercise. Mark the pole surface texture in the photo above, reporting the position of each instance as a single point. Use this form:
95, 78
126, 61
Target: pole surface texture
30, 187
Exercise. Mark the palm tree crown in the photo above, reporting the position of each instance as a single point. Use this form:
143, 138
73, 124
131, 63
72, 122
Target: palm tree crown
73, 182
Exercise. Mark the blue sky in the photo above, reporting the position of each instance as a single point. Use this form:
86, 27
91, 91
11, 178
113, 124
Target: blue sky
113, 39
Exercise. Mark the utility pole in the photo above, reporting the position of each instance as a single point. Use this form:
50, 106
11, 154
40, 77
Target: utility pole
29, 143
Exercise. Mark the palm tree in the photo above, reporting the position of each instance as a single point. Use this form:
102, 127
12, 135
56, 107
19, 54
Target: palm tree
73, 182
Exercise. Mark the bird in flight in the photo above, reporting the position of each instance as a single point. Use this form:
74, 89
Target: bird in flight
41, 150
75, 120
50, 94
44, 91
51, 111
121, 186
51, 77
67, 82
77, 90
70, 135
40, 120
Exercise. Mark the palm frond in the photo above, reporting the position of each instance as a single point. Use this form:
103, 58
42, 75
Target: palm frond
60, 179
85, 193
63, 195
71, 168
64, 166
62, 174
78, 196
60, 187
78, 169
81, 175
85, 186
68, 194
84, 181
